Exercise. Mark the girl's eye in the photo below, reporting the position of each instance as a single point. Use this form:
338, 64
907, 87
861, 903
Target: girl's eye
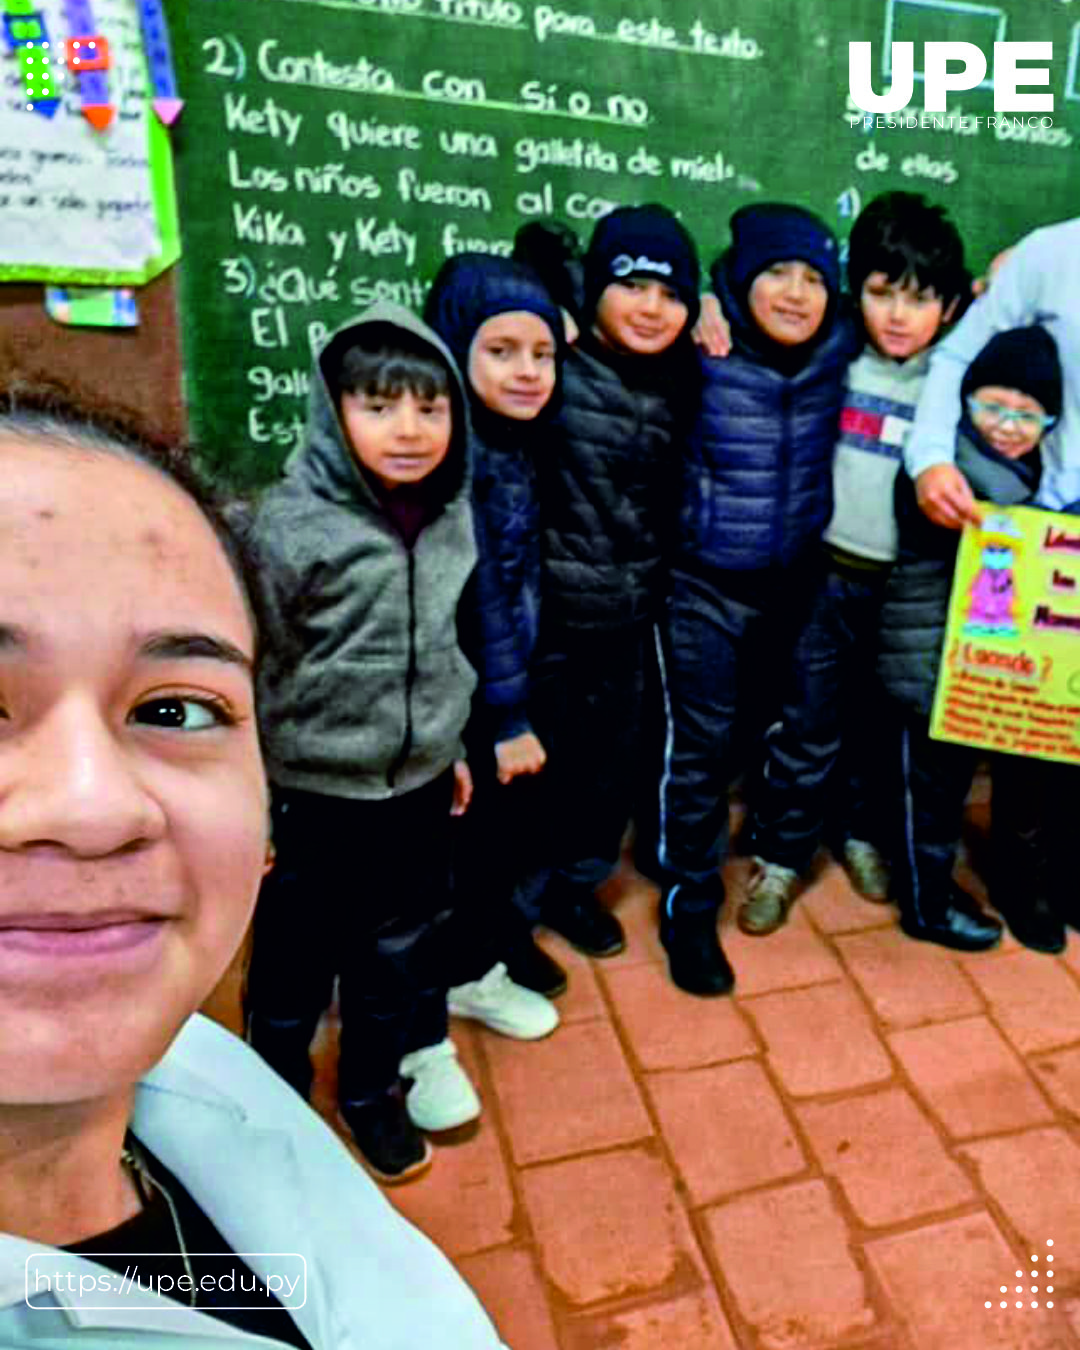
181, 714
669, 294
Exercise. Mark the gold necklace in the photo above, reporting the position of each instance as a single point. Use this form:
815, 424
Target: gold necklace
131, 1157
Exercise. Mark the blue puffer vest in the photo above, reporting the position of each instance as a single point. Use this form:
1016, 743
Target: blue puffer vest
757, 484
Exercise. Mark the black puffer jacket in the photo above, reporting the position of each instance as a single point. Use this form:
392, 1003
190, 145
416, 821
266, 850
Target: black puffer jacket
757, 484
608, 488
916, 603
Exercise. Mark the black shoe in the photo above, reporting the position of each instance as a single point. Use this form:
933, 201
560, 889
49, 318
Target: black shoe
695, 958
392, 1147
1037, 925
577, 915
284, 1046
959, 925
531, 967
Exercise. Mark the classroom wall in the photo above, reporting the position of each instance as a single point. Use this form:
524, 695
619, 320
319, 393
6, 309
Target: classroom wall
139, 369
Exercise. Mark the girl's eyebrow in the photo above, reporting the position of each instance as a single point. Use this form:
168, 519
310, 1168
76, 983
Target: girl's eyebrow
166, 646
192, 647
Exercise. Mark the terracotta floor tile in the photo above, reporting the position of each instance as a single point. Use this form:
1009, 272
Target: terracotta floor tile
1059, 1073
637, 911
1071, 955
1032, 998
785, 1254
907, 983
793, 956
969, 1077
834, 906
667, 1029
939, 1278
886, 1156
565, 1094
695, 1321
464, 1203
508, 1285
726, 1128
582, 999
611, 1226
820, 1039
1033, 1177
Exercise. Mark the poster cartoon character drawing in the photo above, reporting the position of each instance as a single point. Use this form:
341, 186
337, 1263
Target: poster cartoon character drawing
992, 596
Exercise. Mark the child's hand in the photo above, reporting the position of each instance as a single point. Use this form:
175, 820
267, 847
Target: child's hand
462, 788
711, 332
521, 754
945, 496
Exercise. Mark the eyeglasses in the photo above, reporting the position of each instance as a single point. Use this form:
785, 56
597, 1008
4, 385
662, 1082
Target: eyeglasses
1031, 422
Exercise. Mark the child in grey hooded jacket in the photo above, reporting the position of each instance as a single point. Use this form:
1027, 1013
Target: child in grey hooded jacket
367, 543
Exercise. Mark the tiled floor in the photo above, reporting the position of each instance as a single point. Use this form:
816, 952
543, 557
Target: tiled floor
860, 1149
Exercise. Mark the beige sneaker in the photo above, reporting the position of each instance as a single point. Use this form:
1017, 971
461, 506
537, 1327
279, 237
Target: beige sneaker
771, 894
867, 870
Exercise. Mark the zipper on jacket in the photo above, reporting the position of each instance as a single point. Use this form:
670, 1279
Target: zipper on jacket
410, 678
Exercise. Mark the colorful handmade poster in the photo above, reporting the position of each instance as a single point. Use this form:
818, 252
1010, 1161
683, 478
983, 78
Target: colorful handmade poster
79, 204
1010, 671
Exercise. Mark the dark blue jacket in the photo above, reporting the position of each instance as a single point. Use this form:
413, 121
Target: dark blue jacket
757, 484
500, 612
506, 585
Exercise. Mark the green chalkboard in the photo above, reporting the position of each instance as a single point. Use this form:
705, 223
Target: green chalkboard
335, 151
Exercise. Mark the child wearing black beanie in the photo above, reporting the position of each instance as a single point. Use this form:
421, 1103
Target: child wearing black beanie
607, 492
756, 499
1012, 394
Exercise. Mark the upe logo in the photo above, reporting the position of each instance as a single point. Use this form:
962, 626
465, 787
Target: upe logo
940, 80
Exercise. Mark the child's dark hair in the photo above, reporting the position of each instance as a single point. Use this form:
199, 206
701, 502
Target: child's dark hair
909, 239
385, 362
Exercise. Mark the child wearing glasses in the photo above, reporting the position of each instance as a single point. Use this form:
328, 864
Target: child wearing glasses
1011, 396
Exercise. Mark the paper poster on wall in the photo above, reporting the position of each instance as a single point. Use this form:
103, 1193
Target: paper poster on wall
85, 199
1010, 673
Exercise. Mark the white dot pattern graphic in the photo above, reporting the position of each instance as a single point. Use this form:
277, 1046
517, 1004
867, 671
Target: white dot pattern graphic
1034, 1288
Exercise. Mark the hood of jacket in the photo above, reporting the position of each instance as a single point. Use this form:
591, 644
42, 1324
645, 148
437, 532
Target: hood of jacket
326, 464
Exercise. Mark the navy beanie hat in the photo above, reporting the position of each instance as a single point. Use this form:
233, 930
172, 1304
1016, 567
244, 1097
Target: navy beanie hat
642, 241
1019, 358
771, 232
473, 287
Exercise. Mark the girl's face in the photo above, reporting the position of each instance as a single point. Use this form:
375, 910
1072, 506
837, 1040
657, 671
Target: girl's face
640, 315
512, 364
133, 803
1009, 421
788, 301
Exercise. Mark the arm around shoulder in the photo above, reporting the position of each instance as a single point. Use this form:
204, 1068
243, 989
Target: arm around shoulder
1012, 301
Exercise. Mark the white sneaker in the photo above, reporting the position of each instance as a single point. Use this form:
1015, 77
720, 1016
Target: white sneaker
441, 1096
504, 1006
